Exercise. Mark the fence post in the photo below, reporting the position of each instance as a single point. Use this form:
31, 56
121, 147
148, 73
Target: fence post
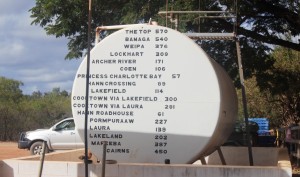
104, 158
42, 158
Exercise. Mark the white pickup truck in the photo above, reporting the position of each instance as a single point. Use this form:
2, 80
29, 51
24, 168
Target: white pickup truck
62, 136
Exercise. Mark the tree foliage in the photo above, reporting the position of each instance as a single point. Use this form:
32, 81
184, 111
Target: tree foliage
70, 18
283, 82
10, 96
20, 112
260, 20
260, 25
275, 94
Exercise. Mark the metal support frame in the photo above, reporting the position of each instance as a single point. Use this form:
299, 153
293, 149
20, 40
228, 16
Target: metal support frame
223, 36
244, 99
221, 156
211, 36
194, 12
172, 13
204, 36
203, 161
115, 27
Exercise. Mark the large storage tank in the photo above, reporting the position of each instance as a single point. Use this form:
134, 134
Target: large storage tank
155, 96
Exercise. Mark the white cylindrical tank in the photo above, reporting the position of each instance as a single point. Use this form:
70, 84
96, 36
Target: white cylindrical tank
154, 96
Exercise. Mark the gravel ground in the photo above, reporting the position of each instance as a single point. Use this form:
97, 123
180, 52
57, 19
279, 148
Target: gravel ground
10, 150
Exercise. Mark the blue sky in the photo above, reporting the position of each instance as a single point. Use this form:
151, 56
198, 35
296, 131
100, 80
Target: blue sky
27, 54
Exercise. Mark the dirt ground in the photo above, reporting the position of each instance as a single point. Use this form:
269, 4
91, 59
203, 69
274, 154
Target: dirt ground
10, 150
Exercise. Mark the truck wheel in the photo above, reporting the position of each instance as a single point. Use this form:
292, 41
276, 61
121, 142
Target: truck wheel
37, 148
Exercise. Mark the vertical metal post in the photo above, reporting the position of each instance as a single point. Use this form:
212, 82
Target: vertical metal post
42, 158
298, 148
241, 73
236, 15
239, 57
87, 92
199, 17
277, 138
167, 13
104, 158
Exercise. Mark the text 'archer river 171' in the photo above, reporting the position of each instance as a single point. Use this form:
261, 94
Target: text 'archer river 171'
154, 96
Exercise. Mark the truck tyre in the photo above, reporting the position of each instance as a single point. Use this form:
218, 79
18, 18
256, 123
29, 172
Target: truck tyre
37, 148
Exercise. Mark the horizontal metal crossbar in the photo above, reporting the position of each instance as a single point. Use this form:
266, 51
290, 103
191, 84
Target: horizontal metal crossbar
193, 12
211, 36
225, 13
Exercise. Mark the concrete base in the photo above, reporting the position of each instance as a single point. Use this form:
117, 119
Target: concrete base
268, 162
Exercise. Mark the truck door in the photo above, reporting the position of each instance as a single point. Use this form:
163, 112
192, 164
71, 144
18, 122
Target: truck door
63, 135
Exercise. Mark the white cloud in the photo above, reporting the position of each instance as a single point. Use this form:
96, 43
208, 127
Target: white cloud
15, 6
64, 85
10, 49
30, 89
46, 75
27, 54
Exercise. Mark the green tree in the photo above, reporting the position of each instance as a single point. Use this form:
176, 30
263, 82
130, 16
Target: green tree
70, 18
261, 24
10, 95
275, 93
283, 82
58, 104
257, 25
33, 116
42, 110
258, 20
20, 112
261, 104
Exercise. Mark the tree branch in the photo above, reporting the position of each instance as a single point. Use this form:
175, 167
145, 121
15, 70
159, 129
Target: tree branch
268, 39
280, 12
